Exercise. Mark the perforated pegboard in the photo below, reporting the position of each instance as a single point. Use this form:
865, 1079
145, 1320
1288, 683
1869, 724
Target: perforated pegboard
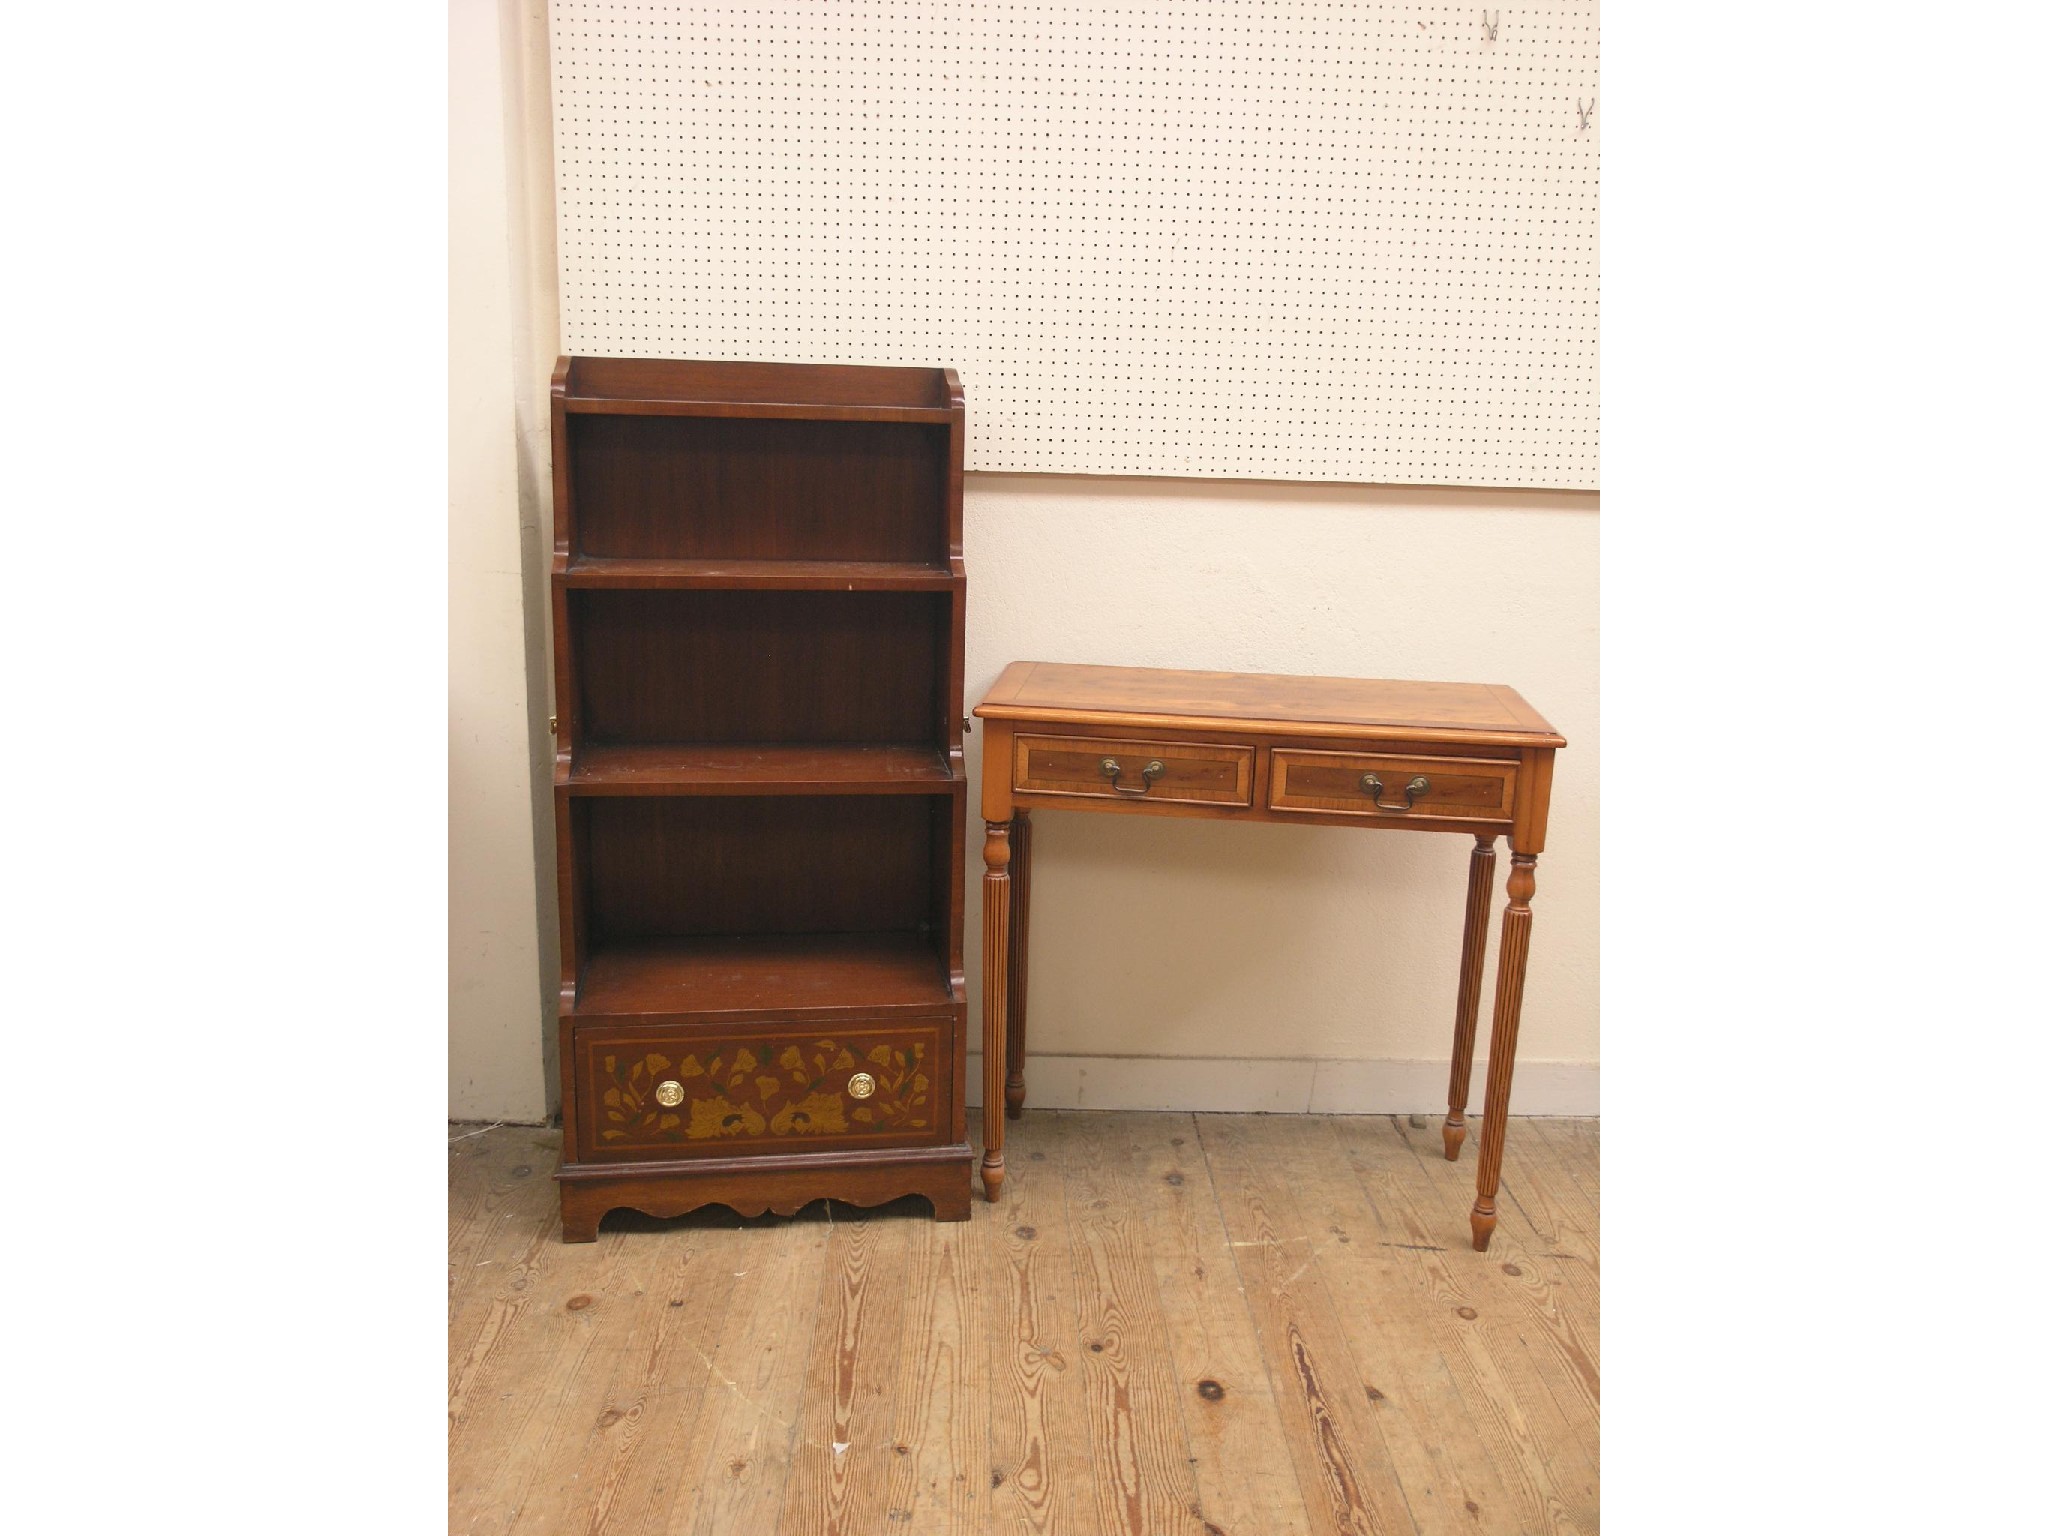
1301, 240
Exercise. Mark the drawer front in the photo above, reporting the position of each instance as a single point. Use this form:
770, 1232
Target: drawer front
698, 1093
1185, 773
1452, 791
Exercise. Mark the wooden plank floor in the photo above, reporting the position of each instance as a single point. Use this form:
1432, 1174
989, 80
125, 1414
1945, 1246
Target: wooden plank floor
1174, 1323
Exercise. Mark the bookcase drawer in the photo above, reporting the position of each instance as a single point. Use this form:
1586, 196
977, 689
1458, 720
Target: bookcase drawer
693, 1092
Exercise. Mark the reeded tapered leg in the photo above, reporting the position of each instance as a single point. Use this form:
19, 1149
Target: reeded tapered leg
1500, 1052
1020, 930
995, 1001
1478, 909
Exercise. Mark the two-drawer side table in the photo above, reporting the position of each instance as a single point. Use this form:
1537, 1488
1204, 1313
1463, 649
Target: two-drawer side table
1469, 758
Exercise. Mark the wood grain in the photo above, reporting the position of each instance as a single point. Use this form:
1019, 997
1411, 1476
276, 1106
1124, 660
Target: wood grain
1452, 790
664, 487
1348, 1475
1500, 1055
1518, 1380
1255, 747
940, 1472
834, 864
995, 964
730, 1092
724, 667
573, 1386
1019, 973
759, 634
1392, 1323
845, 1433
731, 575
1040, 1475
1205, 774
1137, 1414
810, 976
1471, 974
1293, 1343
1225, 1392
720, 385
655, 1385
759, 769
1136, 696
501, 1245
746, 1432
1566, 1157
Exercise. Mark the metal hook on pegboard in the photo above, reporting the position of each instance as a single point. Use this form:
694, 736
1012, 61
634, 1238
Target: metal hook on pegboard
1490, 26
1586, 114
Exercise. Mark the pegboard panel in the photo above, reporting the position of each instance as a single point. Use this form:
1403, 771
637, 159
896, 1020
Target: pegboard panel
1270, 240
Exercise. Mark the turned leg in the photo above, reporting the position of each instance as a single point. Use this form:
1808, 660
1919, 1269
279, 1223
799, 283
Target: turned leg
1500, 1053
1020, 929
1478, 908
995, 1002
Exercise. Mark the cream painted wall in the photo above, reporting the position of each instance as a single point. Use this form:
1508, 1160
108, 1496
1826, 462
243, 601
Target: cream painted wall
501, 344
1175, 963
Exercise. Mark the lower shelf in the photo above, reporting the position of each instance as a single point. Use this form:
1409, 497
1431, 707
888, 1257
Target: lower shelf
760, 769
765, 973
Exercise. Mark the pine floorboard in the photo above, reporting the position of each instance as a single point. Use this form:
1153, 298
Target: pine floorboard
1215, 1325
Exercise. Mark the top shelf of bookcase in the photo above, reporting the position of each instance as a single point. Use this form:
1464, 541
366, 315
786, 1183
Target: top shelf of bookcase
639, 386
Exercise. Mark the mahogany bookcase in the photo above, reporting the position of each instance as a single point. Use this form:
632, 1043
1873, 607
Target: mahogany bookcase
760, 801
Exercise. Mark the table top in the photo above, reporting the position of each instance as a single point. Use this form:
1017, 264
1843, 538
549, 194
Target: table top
1485, 713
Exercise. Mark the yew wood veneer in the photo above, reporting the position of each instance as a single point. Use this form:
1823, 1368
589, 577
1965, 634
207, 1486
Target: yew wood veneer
1470, 758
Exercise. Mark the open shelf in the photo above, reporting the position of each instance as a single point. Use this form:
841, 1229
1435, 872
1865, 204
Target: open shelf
759, 575
764, 973
653, 868
716, 489
771, 769
734, 668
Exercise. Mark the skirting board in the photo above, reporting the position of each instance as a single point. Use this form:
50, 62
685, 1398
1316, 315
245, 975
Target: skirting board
1289, 1085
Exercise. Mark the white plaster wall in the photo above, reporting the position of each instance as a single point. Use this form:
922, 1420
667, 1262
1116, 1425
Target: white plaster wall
1268, 949
501, 943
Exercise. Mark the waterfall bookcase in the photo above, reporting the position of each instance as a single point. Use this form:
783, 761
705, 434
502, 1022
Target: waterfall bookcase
760, 801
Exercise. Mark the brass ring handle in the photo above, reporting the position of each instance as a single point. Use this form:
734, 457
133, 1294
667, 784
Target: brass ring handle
1112, 770
1417, 787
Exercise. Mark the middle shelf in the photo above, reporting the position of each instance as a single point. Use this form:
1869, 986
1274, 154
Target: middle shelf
642, 668
778, 768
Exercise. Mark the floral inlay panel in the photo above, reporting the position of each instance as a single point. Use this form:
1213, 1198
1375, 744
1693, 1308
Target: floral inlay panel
757, 1089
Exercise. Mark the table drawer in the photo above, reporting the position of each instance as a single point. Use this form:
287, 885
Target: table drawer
699, 1093
1436, 790
1104, 768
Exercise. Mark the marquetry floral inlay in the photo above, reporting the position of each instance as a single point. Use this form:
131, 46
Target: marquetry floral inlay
764, 1090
